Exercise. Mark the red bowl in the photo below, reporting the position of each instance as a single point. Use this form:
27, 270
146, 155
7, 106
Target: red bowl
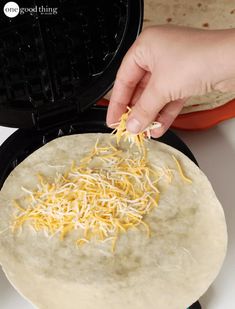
200, 120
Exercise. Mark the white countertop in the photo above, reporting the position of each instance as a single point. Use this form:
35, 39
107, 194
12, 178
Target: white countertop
215, 151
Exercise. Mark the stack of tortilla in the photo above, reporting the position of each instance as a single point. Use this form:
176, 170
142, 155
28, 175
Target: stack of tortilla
169, 270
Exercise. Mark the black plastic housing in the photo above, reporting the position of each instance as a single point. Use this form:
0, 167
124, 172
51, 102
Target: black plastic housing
52, 68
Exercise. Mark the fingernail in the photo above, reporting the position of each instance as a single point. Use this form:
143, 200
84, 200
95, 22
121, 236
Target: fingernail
155, 125
113, 125
133, 126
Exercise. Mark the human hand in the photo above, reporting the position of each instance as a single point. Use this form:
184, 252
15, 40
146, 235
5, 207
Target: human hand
166, 65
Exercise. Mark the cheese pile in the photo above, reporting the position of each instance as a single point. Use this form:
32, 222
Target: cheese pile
101, 202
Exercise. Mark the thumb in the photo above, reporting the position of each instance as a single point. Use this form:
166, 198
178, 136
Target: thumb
146, 108
166, 116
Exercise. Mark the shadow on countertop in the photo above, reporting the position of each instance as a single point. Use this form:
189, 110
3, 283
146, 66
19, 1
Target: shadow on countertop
9, 298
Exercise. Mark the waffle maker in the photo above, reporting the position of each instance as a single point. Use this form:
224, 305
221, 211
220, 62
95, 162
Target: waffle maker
54, 69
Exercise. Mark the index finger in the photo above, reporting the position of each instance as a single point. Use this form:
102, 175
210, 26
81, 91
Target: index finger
128, 76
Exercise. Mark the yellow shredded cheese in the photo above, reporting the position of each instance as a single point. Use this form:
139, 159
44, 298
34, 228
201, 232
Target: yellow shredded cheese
181, 170
134, 139
98, 203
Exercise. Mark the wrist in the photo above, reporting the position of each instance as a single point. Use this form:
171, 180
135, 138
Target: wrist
223, 60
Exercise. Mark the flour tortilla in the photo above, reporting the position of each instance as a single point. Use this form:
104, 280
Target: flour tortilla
170, 270
206, 102
205, 14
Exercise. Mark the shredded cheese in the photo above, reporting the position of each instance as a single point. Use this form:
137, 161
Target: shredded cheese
134, 139
98, 203
181, 170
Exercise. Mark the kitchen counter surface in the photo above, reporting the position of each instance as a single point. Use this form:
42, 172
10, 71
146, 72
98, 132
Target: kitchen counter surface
215, 151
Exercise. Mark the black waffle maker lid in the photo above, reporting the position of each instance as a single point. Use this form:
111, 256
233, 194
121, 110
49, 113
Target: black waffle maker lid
54, 67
